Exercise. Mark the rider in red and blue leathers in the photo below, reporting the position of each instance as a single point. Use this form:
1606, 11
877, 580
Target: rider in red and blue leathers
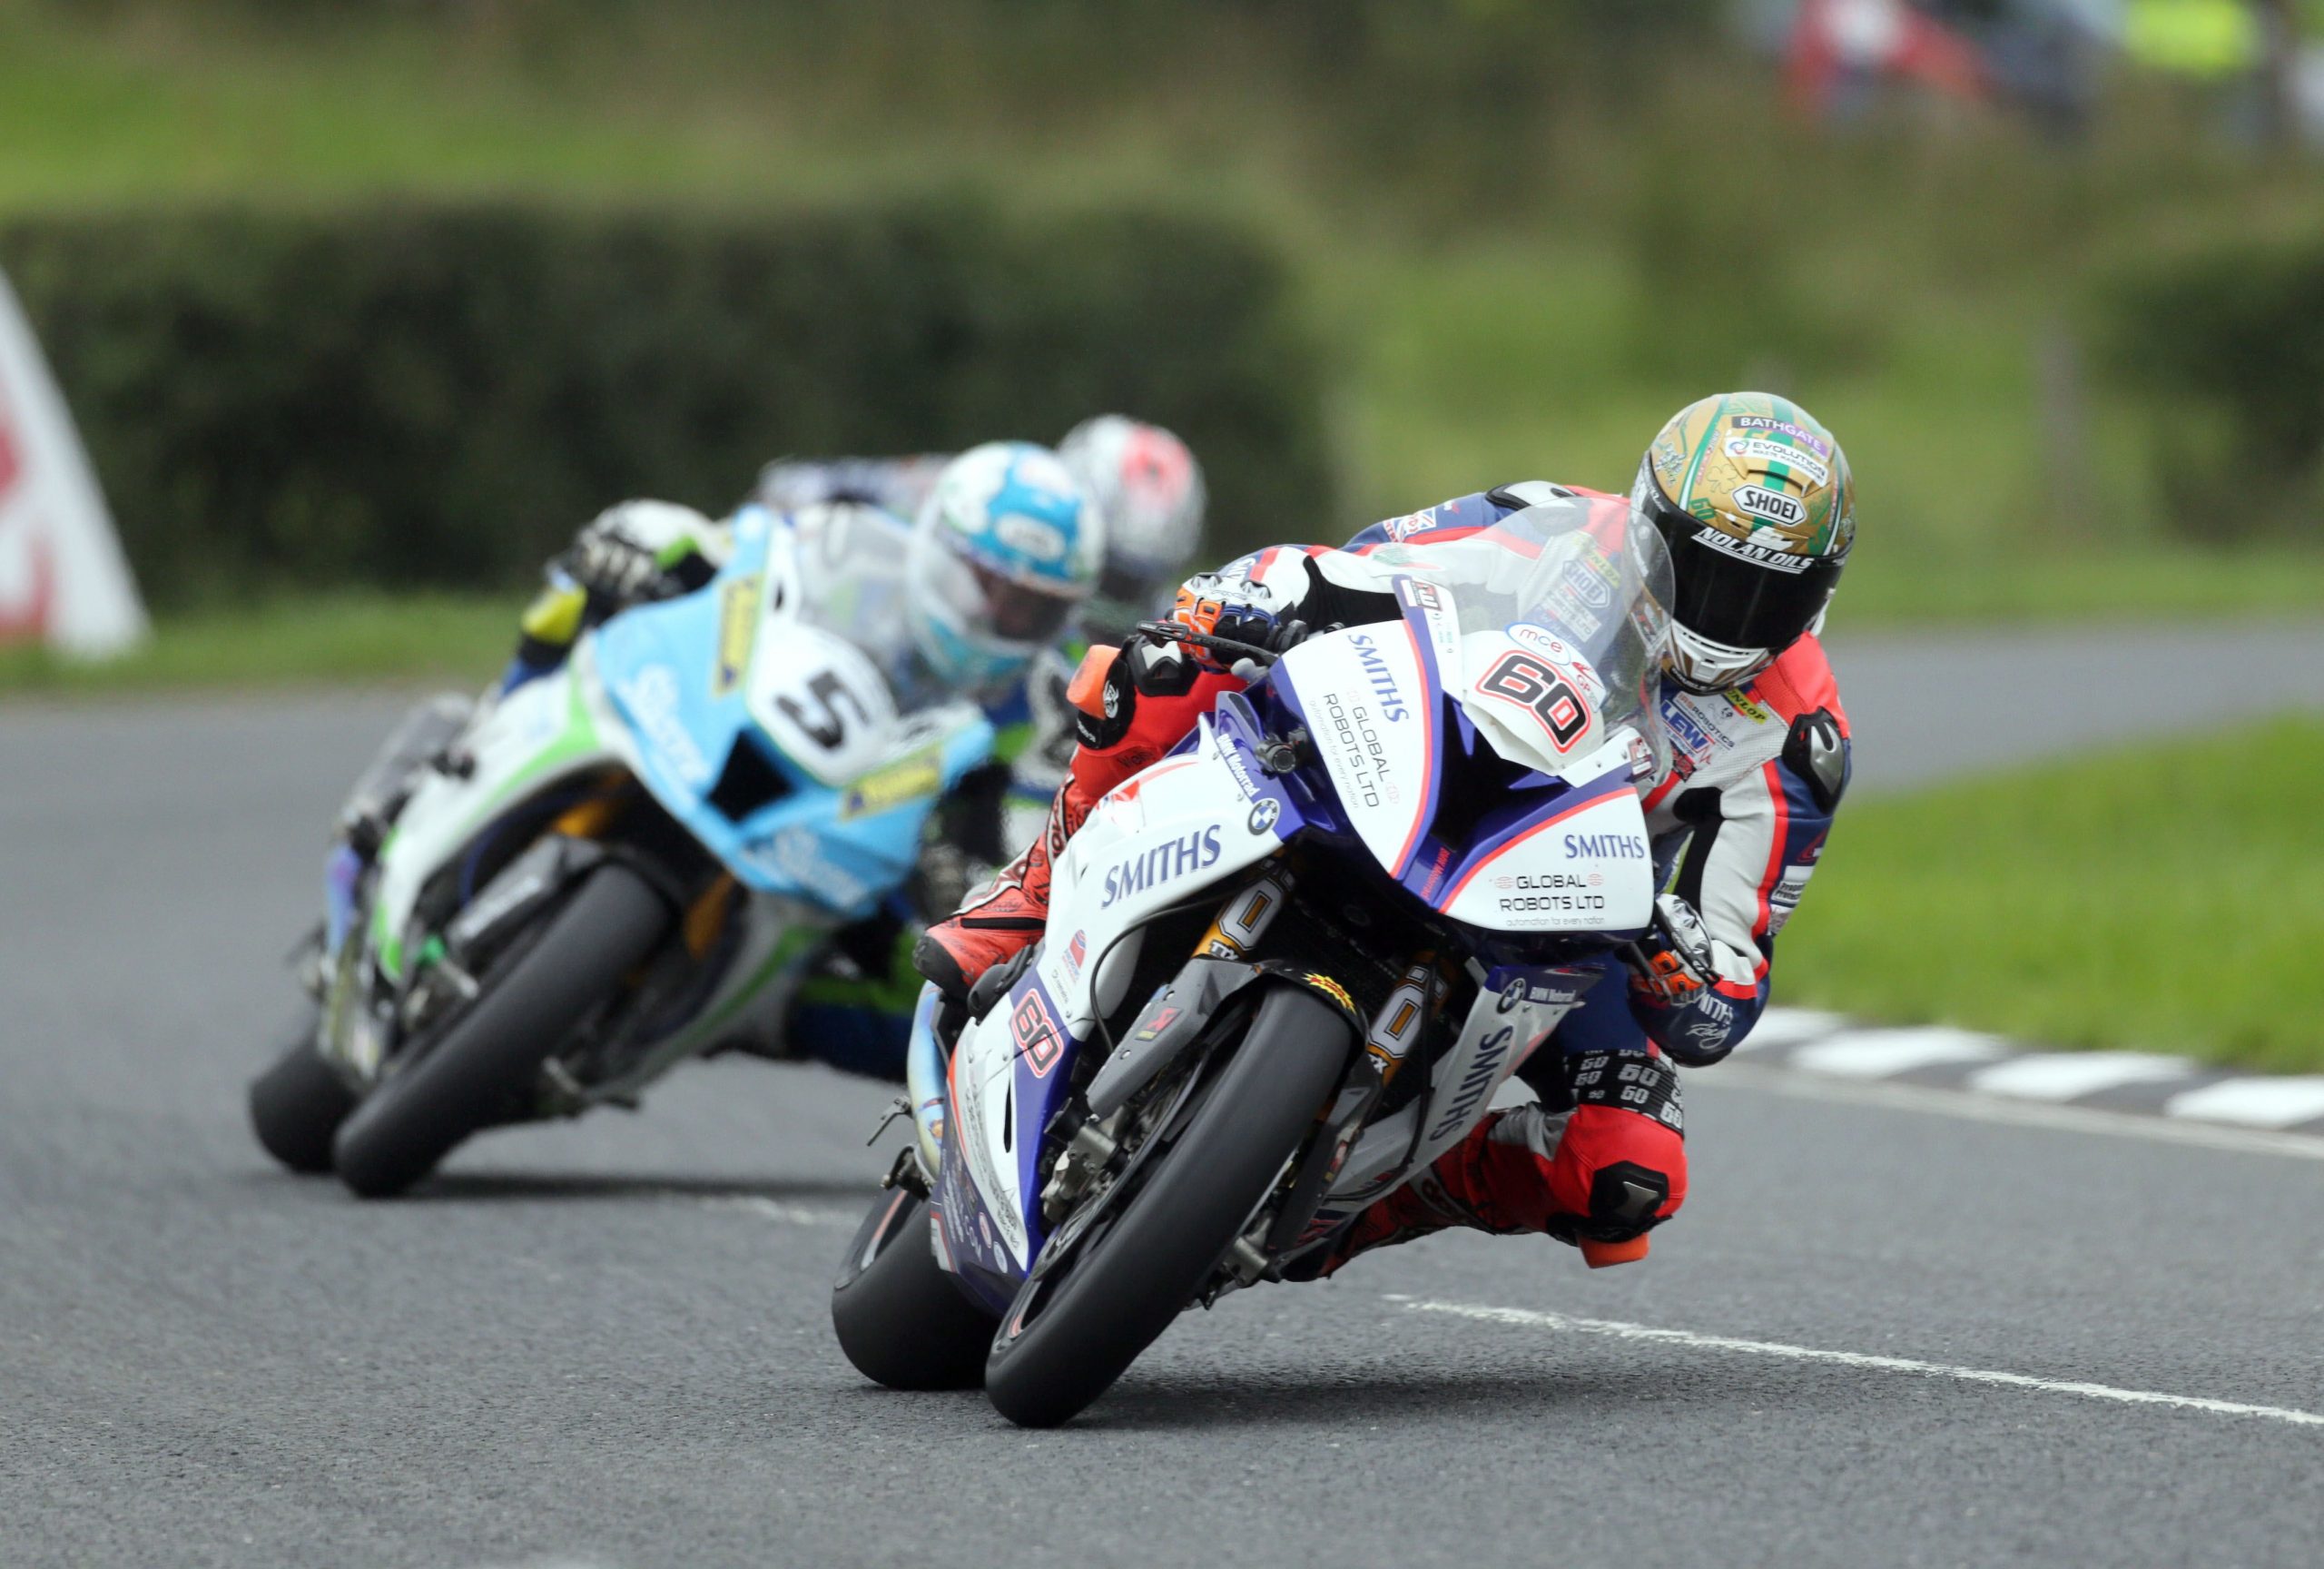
1755, 499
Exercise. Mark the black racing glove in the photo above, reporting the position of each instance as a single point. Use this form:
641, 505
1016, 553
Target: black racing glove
612, 566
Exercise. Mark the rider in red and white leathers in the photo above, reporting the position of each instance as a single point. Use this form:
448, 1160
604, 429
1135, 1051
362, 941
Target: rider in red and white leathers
1755, 499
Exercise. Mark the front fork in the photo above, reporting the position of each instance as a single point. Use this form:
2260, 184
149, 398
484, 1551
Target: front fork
926, 1064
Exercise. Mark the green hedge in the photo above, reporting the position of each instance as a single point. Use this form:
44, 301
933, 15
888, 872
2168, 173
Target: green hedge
2224, 343
439, 396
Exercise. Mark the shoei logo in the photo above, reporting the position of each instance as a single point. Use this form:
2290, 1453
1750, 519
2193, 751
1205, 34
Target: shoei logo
1189, 853
1772, 505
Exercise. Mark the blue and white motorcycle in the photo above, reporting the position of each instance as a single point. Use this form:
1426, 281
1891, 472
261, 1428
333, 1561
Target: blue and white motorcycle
1284, 969
543, 906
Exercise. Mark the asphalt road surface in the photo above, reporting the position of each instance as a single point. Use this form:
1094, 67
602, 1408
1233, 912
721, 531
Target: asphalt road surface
607, 1343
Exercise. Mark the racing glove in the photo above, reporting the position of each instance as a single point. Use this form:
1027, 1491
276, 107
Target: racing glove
1673, 987
610, 565
641, 550
1240, 611
1673, 962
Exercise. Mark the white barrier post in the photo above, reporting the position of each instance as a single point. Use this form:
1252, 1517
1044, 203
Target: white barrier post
63, 577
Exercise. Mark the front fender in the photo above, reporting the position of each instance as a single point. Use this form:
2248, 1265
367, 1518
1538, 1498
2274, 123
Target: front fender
1183, 1009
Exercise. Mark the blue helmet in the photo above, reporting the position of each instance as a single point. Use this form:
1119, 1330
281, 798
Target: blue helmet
1006, 547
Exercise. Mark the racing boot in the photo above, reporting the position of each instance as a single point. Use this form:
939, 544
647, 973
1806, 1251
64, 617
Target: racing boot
1130, 707
1003, 918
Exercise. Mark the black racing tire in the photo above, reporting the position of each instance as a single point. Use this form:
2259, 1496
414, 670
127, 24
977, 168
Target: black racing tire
901, 1320
1124, 1287
490, 1056
298, 1104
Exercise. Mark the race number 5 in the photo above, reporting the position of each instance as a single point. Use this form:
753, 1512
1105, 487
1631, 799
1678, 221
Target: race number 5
827, 725
1535, 686
820, 701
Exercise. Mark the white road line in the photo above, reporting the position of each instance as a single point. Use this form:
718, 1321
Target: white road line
1781, 1027
1877, 1053
2256, 1102
776, 1209
1619, 1330
1975, 1108
2070, 1075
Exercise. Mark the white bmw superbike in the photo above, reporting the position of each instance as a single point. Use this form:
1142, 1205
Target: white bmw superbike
1284, 969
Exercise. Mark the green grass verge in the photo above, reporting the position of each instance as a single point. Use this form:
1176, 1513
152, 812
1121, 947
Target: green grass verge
2169, 898
334, 638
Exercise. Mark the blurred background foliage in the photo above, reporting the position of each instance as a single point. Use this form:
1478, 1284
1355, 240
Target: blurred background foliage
2072, 343
431, 395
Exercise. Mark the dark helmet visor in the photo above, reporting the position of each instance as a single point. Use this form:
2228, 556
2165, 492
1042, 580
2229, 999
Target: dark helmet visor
1733, 594
1019, 611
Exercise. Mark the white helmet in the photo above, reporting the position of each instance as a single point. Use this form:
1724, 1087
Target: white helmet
1006, 547
1148, 488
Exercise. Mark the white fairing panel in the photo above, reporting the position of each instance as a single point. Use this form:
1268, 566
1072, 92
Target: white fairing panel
1503, 1031
1588, 869
1184, 825
983, 1079
822, 700
1534, 695
544, 730
1369, 712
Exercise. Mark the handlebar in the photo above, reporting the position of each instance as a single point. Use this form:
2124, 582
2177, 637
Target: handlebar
1176, 632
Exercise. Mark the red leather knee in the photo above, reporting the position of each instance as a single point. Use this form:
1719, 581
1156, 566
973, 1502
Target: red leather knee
1616, 1172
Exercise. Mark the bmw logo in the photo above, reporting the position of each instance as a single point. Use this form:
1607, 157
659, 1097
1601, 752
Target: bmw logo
1264, 812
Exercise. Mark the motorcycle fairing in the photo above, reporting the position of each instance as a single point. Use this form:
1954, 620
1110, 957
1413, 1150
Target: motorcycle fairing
847, 783
1176, 833
1369, 698
1580, 863
1516, 1009
547, 730
1183, 826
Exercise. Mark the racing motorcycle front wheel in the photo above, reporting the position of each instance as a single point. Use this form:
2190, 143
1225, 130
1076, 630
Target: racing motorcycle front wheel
1077, 1327
489, 1057
900, 1318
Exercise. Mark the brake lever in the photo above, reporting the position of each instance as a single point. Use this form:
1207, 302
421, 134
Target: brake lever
1237, 653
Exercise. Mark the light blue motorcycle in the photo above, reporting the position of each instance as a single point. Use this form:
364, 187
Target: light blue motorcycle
544, 905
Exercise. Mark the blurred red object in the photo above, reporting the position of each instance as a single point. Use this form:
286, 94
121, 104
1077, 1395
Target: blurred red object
1838, 46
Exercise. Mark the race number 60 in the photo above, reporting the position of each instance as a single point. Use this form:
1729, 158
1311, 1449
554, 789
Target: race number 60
1537, 687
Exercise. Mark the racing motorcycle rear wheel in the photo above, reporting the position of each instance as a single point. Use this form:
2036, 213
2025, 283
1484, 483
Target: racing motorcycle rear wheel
1077, 1328
298, 1104
900, 1318
491, 1057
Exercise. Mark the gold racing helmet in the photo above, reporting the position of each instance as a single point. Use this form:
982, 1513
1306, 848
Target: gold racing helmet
1755, 499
